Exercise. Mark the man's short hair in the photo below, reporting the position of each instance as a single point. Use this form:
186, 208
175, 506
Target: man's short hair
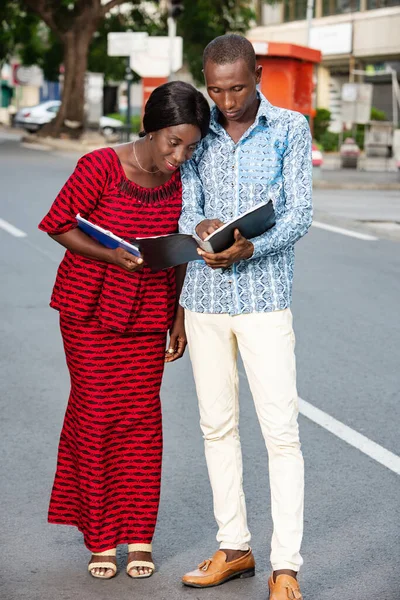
227, 49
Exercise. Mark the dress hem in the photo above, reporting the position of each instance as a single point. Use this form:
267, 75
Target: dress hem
103, 547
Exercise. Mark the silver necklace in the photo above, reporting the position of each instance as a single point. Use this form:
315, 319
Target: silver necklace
138, 163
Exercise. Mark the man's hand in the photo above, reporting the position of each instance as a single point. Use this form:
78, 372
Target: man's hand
126, 260
207, 227
241, 250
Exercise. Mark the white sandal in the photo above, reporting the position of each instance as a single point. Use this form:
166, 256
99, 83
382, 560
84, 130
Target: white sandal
140, 563
104, 564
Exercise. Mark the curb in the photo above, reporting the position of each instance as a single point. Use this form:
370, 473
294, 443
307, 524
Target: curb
320, 184
83, 147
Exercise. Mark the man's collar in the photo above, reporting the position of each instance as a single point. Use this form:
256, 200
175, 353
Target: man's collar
266, 112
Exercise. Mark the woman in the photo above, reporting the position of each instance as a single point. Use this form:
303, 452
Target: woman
114, 318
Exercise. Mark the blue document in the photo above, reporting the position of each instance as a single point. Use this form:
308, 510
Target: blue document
106, 238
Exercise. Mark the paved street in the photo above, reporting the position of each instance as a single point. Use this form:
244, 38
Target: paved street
346, 305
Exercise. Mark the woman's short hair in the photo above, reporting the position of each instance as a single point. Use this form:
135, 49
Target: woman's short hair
176, 103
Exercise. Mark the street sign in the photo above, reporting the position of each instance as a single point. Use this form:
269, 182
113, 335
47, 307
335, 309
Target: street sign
32, 75
332, 39
125, 43
356, 102
155, 60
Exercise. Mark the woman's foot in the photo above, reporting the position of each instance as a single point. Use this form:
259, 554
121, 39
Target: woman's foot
140, 570
107, 564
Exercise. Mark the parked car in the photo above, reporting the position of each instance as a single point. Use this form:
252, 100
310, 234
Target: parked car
349, 154
317, 158
33, 118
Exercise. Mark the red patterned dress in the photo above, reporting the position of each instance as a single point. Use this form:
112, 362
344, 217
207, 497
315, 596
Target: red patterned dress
114, 325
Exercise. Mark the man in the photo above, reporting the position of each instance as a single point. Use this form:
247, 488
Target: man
240, 299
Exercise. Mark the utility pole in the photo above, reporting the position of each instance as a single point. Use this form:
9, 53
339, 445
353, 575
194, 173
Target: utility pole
128, 79
171, 35
310, 16
175, 9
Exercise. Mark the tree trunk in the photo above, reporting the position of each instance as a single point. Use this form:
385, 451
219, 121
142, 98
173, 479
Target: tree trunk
70, 119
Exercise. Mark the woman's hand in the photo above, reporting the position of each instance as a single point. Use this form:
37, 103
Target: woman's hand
126, 260
177, 338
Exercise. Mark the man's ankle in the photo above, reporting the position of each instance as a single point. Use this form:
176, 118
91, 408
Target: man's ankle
233, 554
284, 572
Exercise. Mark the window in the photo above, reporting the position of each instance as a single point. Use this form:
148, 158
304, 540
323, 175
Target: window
371, 4
338, 7
294, 10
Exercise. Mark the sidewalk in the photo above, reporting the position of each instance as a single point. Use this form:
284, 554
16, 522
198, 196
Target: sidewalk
329, 177
89, 142
373, 173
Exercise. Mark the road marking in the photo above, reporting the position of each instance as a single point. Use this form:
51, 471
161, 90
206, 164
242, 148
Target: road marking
352, 437
347, 434
348, 232
11, 229
45, 253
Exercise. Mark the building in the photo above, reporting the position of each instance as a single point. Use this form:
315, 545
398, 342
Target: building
352, 35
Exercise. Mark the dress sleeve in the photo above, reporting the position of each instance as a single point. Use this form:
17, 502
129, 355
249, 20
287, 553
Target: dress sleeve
79, 194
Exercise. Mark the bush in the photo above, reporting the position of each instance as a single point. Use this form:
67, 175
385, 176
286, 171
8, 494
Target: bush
322, 121
378, 115
329, 141
136, 121
360, 135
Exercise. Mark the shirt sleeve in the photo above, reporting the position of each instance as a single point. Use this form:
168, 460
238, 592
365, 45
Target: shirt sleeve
192, 198
297, 188
79, 194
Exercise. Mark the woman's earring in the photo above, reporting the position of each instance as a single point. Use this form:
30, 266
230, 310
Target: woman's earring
151, 137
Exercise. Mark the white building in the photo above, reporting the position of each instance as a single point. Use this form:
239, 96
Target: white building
352, 34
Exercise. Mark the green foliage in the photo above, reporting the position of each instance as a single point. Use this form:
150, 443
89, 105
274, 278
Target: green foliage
204, 20
200, 22
20, 29
378, 115
136, 121
360, 135
113, 67
329, 141
23, 32
322, 121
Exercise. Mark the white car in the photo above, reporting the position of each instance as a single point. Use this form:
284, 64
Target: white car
33, 118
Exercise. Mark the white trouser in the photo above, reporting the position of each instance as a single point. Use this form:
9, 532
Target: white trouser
266, 344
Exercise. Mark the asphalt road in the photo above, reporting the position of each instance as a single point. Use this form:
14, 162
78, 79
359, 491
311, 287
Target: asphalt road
346, 307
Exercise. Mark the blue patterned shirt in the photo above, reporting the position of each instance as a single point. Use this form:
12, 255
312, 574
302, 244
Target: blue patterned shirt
272, 160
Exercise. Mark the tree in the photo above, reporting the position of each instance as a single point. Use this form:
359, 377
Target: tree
204, 20
73, 23
17, 26
74, 33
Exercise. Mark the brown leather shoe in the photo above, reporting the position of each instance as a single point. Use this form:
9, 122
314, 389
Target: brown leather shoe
216, 570
284, 588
